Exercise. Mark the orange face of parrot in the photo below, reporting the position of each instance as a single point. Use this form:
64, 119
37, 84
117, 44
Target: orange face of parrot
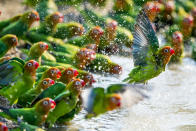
3, 127
167, 52
177, 37
54, 73
152, 9
116, 69
43, 46
169, 6
31, 66
88, 78
96, 32
187, 21
112, 25
46, 104
86, 55
13, 41
57, 17
78, 84
33, 16
47, 82
114, 102
70, 72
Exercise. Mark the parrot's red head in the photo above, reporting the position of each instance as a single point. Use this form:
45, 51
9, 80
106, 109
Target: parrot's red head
45, 105
96, 32
32, 17
31, 66
166, 53
89, 79
43, 46
56, 18
116, 69
114, 102
188, 21
47, 82
68, 74
177, 37
152, 9
53, 73
169, 6
193, 12
77, 85
86, 55
3, 127
112, 25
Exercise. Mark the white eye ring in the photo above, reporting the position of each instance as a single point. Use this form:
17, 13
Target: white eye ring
42, 46
113, 99
29, 64
88, 77
45, 82
69, 72
78, 83
52, 71
45, 102
166, 50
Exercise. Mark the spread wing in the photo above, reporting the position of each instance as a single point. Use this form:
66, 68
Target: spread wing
145, 43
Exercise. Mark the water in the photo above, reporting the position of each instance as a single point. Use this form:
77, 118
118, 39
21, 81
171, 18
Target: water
171, 107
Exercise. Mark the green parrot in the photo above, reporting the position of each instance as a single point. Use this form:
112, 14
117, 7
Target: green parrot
6, 43
149, 59
17, 78
34, 116
99, 102
68, 30
103, 63
52, 73
93, 36
178, 46
22, 25
26, 99
66, 101
48, 27
9, 21
45, 8
37, 50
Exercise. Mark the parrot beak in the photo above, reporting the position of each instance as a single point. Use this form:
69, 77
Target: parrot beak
36, 64
119, 104
61, 18
83, 83
172, 51
76, 73
38, 18
59, 74
53, 104
46, 47
52, 82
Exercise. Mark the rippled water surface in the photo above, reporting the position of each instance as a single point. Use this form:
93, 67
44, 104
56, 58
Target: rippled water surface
172, 103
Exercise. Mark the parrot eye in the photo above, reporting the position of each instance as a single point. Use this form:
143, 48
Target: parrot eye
45, 103
52, 71
88, 77
45, 82
14, 40
78, 83
96, 32
113, 99
29, 64
166, 50
69, 72
42, 46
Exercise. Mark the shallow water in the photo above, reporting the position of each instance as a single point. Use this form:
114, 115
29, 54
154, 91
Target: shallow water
172, 103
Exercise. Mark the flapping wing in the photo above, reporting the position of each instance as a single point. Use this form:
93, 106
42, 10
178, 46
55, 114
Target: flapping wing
145, 42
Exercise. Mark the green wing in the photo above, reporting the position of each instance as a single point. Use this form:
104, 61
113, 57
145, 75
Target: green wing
11, 70
51, 92
145, 43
